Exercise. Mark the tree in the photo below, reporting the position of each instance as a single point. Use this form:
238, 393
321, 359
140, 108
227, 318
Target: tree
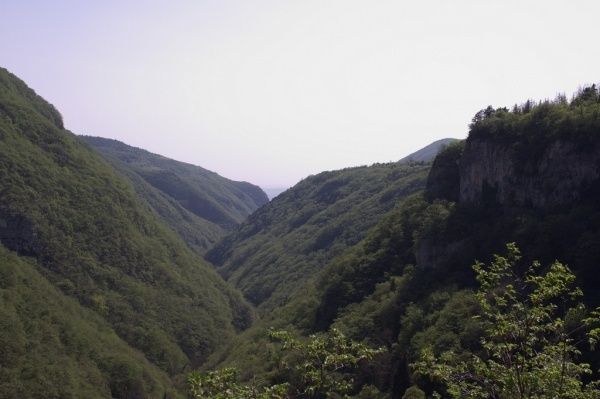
413, 392
533, 333
323, 364
318, 368
222, 384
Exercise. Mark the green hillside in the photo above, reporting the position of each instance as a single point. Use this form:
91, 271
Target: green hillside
286, 242
53, 347
77, 230
198, 204
530, 176
103, 293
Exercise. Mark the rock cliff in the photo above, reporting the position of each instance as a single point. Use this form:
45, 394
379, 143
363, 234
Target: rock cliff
494, 172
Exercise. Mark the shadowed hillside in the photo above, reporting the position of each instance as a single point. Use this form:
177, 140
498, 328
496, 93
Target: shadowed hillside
198, 204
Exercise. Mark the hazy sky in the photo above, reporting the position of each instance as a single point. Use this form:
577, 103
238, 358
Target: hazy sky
272, 91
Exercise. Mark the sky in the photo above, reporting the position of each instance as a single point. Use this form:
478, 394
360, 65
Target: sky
271, 91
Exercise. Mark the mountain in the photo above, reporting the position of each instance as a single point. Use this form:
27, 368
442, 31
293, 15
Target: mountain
198, 204
429, 152
100, 298
530, 176
285, 242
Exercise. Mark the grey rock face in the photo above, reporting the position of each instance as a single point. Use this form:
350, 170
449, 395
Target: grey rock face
488, 171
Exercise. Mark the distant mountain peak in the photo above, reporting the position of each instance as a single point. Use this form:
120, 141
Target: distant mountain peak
429, 152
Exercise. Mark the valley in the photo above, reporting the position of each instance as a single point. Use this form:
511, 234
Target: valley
123, 271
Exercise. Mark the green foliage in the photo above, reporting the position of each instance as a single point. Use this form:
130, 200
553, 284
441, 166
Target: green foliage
315, 369
413, 392
373, 292
531, 127
16, 90
388, 249
407, 285
532, 333
52, 347
370, 392
222, 384
443, 321
320, 367
286, 242
353, 249
365, 293
198, 204
93, 239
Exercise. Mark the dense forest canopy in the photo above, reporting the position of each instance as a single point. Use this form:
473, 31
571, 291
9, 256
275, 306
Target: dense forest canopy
104, 293
542, 121
199, 205
289, 240
77, 230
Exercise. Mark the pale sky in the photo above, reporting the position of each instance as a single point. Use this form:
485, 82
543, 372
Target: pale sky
270, 91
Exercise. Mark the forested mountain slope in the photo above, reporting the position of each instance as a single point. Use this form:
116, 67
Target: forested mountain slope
286, 242
53, 347
76, 236
198, 204
530, 175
